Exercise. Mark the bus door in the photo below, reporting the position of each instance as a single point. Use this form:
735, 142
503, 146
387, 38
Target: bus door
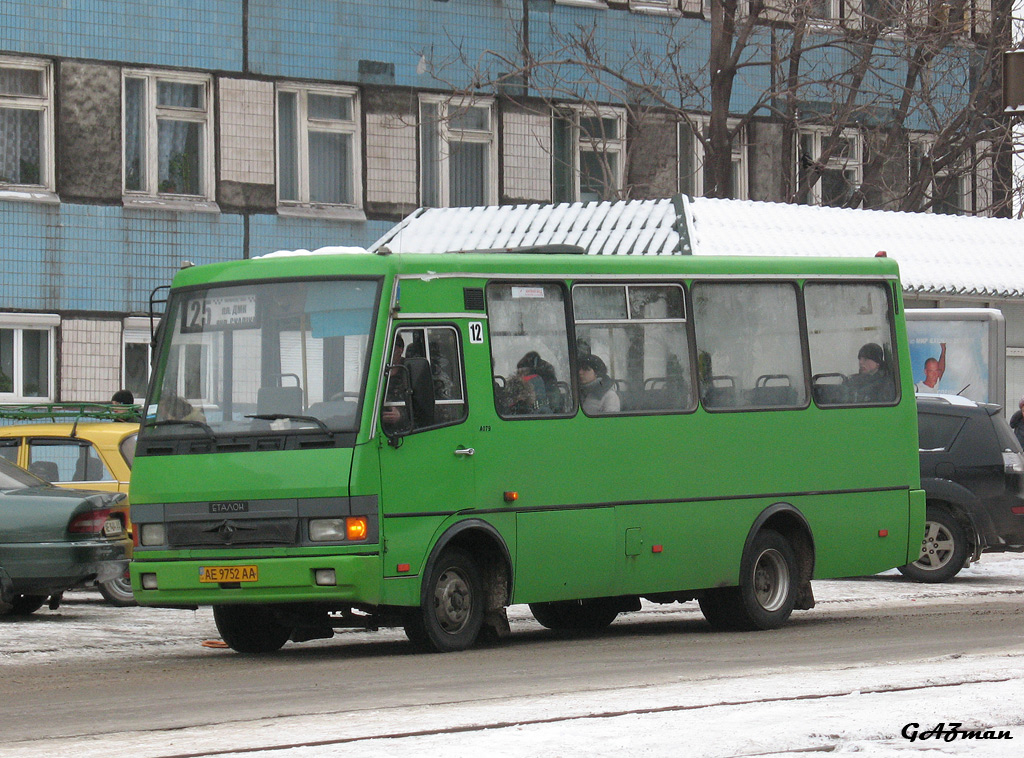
426, 456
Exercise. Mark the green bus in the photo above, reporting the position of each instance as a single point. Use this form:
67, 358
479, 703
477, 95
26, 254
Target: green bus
422, 440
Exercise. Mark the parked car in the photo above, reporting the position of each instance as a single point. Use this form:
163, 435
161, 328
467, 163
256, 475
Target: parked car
77, 445
54, 539
972, 470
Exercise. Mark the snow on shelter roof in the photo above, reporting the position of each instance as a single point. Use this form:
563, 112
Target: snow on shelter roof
937, 254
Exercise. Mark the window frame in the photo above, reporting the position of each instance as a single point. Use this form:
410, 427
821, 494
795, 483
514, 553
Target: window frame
802, 346
136, 331
740, 155
303, 122
460, 348
890, 317
835, 163
572, 113
446, 135
20, 323
691, 400
152, 114
45, 105
570, 332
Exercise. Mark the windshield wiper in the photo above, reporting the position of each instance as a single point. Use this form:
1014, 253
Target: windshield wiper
187, 422
292, 417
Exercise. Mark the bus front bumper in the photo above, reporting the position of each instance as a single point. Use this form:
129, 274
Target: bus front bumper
342, 579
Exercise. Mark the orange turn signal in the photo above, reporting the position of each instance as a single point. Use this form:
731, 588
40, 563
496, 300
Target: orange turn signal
355, 528
511, 497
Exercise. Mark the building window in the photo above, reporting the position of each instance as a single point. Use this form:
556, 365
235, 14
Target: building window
27, 357
839, 174
168, 135
318, 146
655, 6
825, 10
691, 159
589, 150
26, 123
138, 357
458, 153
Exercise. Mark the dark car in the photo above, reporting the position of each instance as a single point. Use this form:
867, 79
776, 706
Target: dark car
54, 539
972, 471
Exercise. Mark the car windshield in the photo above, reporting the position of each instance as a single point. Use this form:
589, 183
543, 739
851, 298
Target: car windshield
280, 355
15, 478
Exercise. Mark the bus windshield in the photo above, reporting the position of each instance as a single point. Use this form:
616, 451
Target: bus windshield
281, 356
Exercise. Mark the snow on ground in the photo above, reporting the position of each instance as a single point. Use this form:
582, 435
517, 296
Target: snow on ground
777, 712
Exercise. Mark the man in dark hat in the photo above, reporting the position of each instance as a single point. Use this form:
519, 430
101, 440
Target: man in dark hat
873, 383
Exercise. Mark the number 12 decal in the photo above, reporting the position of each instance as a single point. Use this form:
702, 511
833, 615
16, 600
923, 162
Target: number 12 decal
476, 333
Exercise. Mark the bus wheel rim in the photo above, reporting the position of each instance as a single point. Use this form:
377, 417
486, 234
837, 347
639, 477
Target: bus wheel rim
771, 580
453, 601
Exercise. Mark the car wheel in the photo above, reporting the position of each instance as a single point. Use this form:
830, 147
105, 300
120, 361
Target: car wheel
25, 605
250, 628
943, 549
452, 611
118, 592
575, 615
766, 594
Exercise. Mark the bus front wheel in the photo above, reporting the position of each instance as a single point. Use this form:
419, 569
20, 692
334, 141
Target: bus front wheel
452, 611
767, 591
250, 628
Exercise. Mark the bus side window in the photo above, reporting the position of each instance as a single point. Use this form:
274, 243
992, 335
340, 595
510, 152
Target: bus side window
637, 334
849, 333
530, 349
426, 378
749, 345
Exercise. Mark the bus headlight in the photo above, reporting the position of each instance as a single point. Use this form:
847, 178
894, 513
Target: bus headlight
327, 529
353, 529
152, 534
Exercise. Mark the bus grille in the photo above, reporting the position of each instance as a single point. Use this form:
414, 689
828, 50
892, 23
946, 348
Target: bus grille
229, 532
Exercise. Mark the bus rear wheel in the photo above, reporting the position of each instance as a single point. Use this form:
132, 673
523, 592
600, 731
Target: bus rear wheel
575, 615
250, 628
767, 591
452, 611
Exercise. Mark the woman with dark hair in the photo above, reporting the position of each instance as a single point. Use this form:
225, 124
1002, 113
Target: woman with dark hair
597, 389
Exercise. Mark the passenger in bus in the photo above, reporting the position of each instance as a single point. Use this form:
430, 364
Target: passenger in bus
597, 389
873, 383
539, 376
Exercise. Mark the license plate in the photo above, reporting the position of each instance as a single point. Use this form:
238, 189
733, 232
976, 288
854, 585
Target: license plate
112, 527
228, 574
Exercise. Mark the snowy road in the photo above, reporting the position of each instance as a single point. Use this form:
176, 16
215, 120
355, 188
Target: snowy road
876, 656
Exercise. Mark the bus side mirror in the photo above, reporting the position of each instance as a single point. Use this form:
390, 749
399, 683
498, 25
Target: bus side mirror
396, 416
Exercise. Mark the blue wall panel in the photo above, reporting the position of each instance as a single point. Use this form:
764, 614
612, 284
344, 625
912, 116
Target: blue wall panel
203, 34
270, 233
102, 258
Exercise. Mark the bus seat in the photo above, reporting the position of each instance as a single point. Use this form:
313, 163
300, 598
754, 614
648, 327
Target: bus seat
766, 396
279, 400
829, 389
721, 392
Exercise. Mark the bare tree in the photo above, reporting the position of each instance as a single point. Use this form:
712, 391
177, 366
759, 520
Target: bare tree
917, 79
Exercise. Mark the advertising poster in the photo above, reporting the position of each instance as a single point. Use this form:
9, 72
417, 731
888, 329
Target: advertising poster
954, 354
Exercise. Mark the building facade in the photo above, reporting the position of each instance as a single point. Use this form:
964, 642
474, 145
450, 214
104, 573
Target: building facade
136, 136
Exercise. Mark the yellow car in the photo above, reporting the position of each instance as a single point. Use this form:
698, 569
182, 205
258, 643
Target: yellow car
77, 445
